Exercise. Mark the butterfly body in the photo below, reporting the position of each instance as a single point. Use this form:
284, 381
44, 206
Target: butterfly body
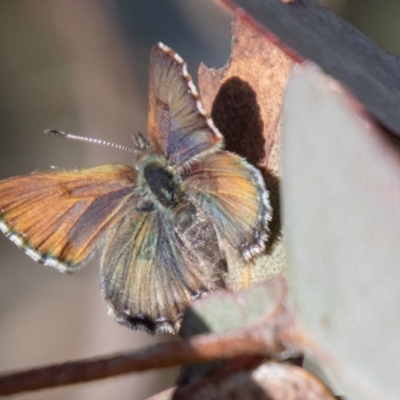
160, 185
174, 225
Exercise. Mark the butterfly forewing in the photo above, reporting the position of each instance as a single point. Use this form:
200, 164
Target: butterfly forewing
59, 217
178, 126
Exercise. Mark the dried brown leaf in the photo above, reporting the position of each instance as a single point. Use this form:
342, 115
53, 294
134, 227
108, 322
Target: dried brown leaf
268, 381
306, 30
244, 99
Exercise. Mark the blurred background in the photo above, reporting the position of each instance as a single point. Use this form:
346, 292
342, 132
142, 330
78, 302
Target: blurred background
82, 66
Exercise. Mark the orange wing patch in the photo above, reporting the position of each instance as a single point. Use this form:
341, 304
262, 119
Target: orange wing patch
59, 217
232, 192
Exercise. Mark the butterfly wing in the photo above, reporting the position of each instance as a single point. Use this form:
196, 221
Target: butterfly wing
154, 265
232, 193
178, 126
59, 217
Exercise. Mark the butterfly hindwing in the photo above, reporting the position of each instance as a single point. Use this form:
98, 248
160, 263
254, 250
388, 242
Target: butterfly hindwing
232, 193
178, 126
155, 264
58, 217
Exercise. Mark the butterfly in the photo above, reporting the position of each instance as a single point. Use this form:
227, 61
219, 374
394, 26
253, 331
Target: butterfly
172, 226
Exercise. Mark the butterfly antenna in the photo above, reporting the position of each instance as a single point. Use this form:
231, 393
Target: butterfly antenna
88, 139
